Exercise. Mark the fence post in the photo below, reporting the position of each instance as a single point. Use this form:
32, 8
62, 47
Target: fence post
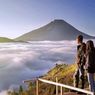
60, 90
37, 87
56, 86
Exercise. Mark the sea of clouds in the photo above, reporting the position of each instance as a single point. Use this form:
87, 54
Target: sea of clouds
22, 61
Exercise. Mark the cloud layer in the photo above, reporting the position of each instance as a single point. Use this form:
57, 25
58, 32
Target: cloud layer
22, 61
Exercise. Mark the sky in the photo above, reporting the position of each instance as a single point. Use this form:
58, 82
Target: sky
18, 17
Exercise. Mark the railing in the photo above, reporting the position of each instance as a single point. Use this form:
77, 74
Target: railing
60, 85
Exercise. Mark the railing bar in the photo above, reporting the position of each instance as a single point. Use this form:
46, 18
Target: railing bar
27, 81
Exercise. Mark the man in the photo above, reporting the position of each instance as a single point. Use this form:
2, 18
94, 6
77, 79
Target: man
79, 74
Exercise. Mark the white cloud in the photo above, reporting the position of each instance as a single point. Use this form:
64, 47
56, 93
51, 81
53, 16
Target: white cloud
3, 93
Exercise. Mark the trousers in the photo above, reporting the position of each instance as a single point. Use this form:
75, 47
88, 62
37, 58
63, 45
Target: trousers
91, 81
79, 77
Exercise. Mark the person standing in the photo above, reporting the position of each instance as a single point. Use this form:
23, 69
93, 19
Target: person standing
90, 64
80, 60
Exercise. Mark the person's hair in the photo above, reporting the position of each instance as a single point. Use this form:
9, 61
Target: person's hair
89, 45
80, 38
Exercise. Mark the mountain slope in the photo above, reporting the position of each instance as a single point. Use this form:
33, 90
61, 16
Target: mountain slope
64, 74
4, 39
54, 31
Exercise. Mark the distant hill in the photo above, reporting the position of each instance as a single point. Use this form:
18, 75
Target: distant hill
4, 39
54, 31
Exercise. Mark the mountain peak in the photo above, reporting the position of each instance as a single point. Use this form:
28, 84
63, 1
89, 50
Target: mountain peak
56, 30
59, 21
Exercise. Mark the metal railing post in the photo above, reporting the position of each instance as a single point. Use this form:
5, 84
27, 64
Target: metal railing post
60, 90
56, 86
37, 87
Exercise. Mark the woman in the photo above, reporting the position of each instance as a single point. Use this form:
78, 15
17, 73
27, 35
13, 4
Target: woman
90, 64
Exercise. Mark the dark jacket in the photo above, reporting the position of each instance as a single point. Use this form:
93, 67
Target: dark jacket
90, 61
80, 55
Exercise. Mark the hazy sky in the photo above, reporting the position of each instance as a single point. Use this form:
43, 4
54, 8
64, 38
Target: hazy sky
20, 16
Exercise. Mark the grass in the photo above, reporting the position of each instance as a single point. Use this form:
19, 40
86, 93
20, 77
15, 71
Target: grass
3, 39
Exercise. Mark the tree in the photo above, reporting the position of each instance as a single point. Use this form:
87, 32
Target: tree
20, 90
